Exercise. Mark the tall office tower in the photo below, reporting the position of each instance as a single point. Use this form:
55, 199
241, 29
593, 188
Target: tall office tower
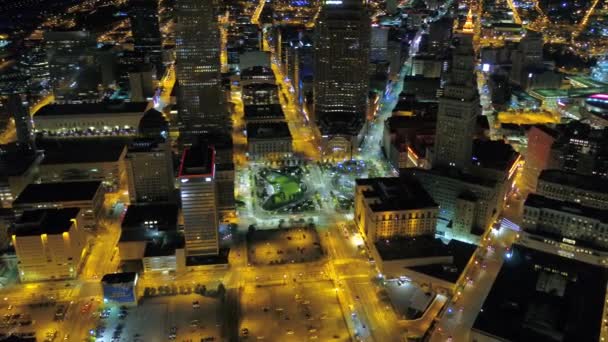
199, 200
143, 16
379, 43
529, 53
18, 108
69, 53
341, 60
150, 171
34, 64
458, 109
201, 102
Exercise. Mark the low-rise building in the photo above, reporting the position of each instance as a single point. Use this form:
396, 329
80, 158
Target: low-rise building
260, 94
49, 243
83, 160
120, 288
89, 119
424, 260
87, 196
540, 296
269, 141
407, 140
386, 208
590, 191
264, 113
573, 228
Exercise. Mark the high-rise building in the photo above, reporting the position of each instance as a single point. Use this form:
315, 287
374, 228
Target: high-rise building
528, 54
201, 99
149, 166
458, 110
341, 61
69, 54
142, 82
18, 108
143, 16
199, 201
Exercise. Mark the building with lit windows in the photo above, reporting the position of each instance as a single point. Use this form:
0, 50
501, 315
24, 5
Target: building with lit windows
89, 119
149, 239
565, 228
198, 192
458, 110
86, 196
589, 191
71, 63
149, 165
198, 68
468, 204
264, 113
270, 141
387, 208
260, 94
50, 244
341, 78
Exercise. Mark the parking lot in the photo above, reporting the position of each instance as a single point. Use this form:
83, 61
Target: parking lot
189, 317
298, 312
281, 246
38, 321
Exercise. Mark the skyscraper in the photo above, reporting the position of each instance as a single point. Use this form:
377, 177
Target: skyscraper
143, 16
341, 60
69, 53
201, 102
18, 108
458, 109
150, 171
199, 200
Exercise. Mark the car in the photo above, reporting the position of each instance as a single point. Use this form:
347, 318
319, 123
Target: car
245, 332
290, 332
196, 304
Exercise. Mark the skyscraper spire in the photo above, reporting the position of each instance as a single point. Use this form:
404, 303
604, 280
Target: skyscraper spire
468, 26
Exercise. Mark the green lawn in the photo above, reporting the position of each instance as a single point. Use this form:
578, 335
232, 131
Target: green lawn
287, 189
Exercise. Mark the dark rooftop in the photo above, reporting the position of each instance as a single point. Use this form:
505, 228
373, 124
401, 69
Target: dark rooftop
58, 192
220, 259
538, 201
268, 130
15, 159
198, 160
260, 86
92, 108
273, 111
90, 150
166, 245
586, 182
451, 172
495, 155
396, 193
45, 221
118, 278
143, 145
543, 297
256, 71
429, 247
165, 216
